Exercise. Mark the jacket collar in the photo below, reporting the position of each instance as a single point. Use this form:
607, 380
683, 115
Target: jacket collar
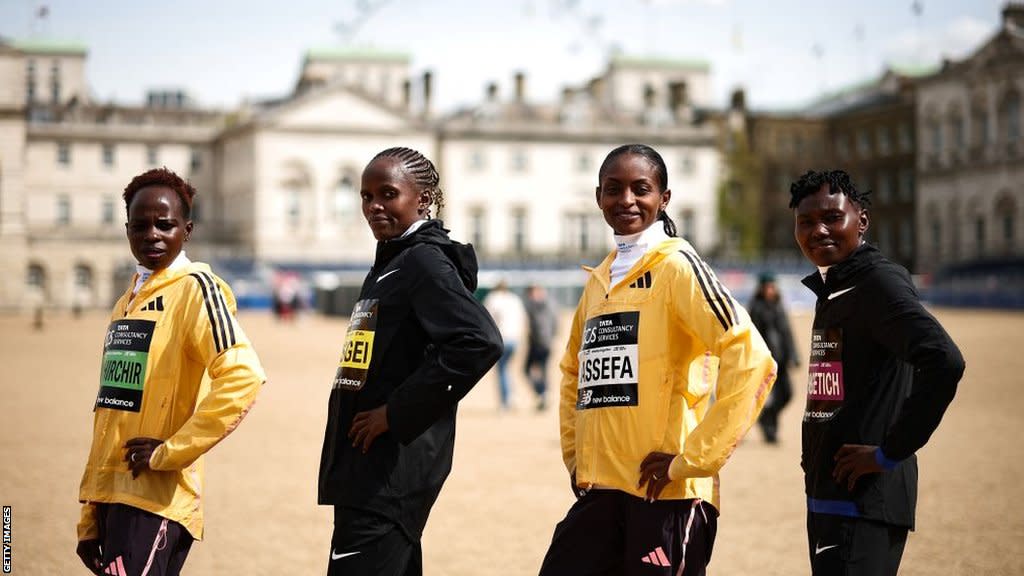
602, 272
845, 273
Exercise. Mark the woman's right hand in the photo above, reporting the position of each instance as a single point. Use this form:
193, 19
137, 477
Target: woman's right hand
91, 554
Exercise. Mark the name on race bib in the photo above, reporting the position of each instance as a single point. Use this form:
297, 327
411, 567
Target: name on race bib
123, 372
357, 351
609, 362
825, 391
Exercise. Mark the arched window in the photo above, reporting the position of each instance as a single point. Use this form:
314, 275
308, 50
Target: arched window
36, 276
296, 189
1011, 117
344, 198
83, 276
1006, 220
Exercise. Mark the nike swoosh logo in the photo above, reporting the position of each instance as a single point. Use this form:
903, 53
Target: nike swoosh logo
835, 295
340, 556
386, 274
818, 550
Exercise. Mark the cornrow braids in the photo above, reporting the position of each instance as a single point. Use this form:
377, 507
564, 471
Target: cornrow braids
422, 170
162, 177
838, 181
652, 156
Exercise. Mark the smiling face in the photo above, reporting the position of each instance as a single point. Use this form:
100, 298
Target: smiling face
391, 199
630, 195
157, 228
829, 227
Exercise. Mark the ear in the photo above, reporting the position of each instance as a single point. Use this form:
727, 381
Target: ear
597, 195
665, 197
862, 222
188, 230
424, 203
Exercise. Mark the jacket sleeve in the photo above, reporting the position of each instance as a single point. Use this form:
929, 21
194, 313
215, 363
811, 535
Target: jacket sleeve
570, 378
746, 370
907, 330
88, 523
214, 336
465, 344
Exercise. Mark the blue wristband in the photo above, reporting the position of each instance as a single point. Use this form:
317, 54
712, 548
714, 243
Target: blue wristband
883, 461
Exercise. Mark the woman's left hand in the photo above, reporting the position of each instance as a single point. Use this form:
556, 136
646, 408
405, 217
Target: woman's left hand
654, 473
366, 426
138, 451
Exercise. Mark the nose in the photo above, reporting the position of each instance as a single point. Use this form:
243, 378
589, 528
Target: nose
820, 230
627, 198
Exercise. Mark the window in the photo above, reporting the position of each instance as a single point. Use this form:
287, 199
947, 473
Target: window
906, 237
107, 211
687, 164
108, 155
884, 141
519, 161
476, 228
956, 126
477, 160
152, 154
863, 143
1008, 229
63, 210
884, 188
936, 135
842, 147
64, 153
583, 163
687, 223
982, 136
30, 82
936, 237
55, 82
83, 276
35, 276
293, 206
519, 230
906, 138
1012, 122
344, 199
906, 185
954, 229
979, 234
195, 160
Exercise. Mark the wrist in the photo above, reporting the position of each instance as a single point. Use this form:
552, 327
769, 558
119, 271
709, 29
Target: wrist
884, 461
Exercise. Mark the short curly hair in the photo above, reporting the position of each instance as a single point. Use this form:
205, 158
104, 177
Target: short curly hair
838, 181
161, 177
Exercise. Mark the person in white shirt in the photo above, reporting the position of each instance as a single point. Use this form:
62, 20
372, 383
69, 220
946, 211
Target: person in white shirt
507, 310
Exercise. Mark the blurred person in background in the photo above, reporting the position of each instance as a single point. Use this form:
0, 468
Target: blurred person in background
417, 342
508, 313
641, 440
769, 317
140, 493
881, 375
542, 323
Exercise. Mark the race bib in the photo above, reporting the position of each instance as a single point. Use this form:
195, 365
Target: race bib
825, 391
123, 373
358, 349
609, 361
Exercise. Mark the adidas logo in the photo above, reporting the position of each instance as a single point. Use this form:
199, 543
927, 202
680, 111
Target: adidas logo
157, 304
643, 281
656, 557
116, 567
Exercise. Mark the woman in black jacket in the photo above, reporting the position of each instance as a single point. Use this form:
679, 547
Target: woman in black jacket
417, 342
769, 317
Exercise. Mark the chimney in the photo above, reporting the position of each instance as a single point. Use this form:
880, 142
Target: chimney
520, 87
1013, 15
679, 102
492, 92
427, 92
406, 94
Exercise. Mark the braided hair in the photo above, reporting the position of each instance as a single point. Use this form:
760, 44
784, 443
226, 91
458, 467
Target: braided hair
652, 156
838, 181
421, 170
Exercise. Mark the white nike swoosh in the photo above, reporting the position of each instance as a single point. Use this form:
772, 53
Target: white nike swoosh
839, 293
340, 556
822, 549
386, 274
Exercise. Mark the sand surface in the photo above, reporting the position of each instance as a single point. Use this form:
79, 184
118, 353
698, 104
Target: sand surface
508, 487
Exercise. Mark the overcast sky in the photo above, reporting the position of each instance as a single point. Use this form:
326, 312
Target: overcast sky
784, 52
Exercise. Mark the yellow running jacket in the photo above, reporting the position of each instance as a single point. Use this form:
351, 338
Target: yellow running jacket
640, 368
158, 346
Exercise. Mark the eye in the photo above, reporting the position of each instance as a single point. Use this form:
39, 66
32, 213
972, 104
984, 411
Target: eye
365, 196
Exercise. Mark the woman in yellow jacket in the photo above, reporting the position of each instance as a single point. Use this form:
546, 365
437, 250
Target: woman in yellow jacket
141, 492
655, 335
